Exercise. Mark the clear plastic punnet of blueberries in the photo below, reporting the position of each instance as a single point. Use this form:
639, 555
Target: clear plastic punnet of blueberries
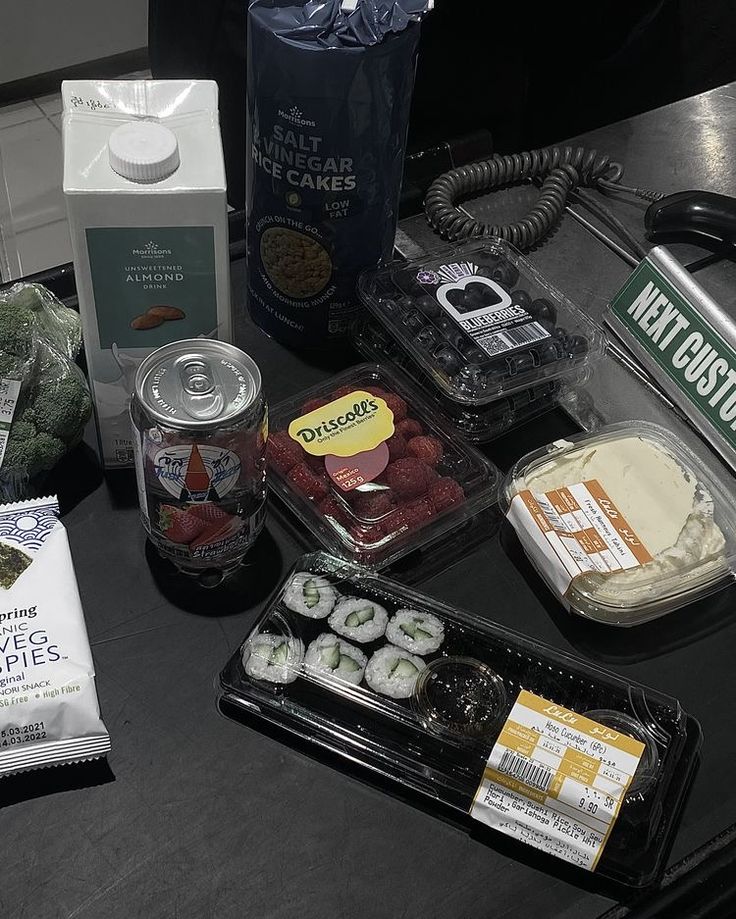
480, 321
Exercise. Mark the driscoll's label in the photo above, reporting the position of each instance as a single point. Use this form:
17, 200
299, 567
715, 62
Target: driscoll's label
351, 434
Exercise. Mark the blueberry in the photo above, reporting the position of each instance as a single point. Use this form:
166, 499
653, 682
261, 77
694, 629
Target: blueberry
491, 260
389, 306
561, 333
505, 273
413, 320
471, 352
520, 363
428, 305
547, 324
521, 298
428, 338
446, 325
404, 304
550, 352
543, 309
447, 359
577, 344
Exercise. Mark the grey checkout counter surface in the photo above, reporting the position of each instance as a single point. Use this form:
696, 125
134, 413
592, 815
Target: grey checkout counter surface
196, 816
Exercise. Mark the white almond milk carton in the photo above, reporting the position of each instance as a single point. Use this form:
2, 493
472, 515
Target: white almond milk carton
144, 183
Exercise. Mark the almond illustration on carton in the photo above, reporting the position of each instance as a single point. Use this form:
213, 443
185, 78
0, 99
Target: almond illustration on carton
156, 316
167, 313
146, 321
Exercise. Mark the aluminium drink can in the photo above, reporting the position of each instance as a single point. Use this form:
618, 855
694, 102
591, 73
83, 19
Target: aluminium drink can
200, 425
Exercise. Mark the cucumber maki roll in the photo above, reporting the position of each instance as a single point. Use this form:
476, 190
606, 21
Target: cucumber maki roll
420, 633
310, 595
358, 619
274, 658
332, 656
393, 672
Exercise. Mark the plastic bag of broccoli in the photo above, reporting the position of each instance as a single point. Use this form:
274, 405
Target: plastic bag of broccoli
44, 399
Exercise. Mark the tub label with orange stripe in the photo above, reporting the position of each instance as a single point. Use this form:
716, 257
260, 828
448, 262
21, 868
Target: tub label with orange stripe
556, 780
576, 529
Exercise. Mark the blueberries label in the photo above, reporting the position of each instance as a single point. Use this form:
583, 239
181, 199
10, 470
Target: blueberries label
484, 310
352, 424
195, 472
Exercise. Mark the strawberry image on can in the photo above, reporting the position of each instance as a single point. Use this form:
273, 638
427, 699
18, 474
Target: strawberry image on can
200, 428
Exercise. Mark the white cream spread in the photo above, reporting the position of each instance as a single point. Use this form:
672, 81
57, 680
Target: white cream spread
671, 512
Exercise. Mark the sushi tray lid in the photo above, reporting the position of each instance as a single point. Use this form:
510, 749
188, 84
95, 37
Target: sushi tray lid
494, 725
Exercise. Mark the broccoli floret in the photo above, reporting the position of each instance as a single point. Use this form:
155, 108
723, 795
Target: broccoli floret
11, 367
36, 454
16, 328
62, 408
23, 430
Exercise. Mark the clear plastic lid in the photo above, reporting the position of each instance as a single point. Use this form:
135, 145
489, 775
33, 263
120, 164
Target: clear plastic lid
624, 525
424, 693
479, 424
480, 321
372, 469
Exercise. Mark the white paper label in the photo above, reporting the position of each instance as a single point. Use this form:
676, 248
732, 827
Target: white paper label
574, 529
9, 392
556, 780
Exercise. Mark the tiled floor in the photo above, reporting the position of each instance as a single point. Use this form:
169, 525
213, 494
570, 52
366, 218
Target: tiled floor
35, 233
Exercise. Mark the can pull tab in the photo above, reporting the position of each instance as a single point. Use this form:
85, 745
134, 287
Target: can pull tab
202, 397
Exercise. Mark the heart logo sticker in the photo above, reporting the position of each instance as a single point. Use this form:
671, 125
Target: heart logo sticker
504, 300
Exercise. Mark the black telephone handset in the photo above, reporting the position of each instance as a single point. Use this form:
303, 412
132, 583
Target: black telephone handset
702, 218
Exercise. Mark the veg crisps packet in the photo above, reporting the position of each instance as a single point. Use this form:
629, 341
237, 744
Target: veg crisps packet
329, 90
49, 712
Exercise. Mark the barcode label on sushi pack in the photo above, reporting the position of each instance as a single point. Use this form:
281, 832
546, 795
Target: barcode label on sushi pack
576, 529
556, 780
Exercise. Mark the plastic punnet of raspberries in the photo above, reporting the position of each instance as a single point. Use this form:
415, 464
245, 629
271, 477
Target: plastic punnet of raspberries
409, 477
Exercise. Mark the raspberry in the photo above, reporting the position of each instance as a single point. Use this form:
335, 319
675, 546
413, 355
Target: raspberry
409, 476
396, 447
409, 516
444, 493
283, 453
427, 449
315, 462
396, 404
308, 482
392, 400
311, 405
408, 428
370, 505
344, 391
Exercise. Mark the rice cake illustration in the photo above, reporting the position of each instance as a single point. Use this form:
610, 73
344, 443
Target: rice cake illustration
297, 265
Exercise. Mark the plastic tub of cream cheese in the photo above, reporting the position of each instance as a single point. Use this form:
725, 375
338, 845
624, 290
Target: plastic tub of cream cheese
624, 525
